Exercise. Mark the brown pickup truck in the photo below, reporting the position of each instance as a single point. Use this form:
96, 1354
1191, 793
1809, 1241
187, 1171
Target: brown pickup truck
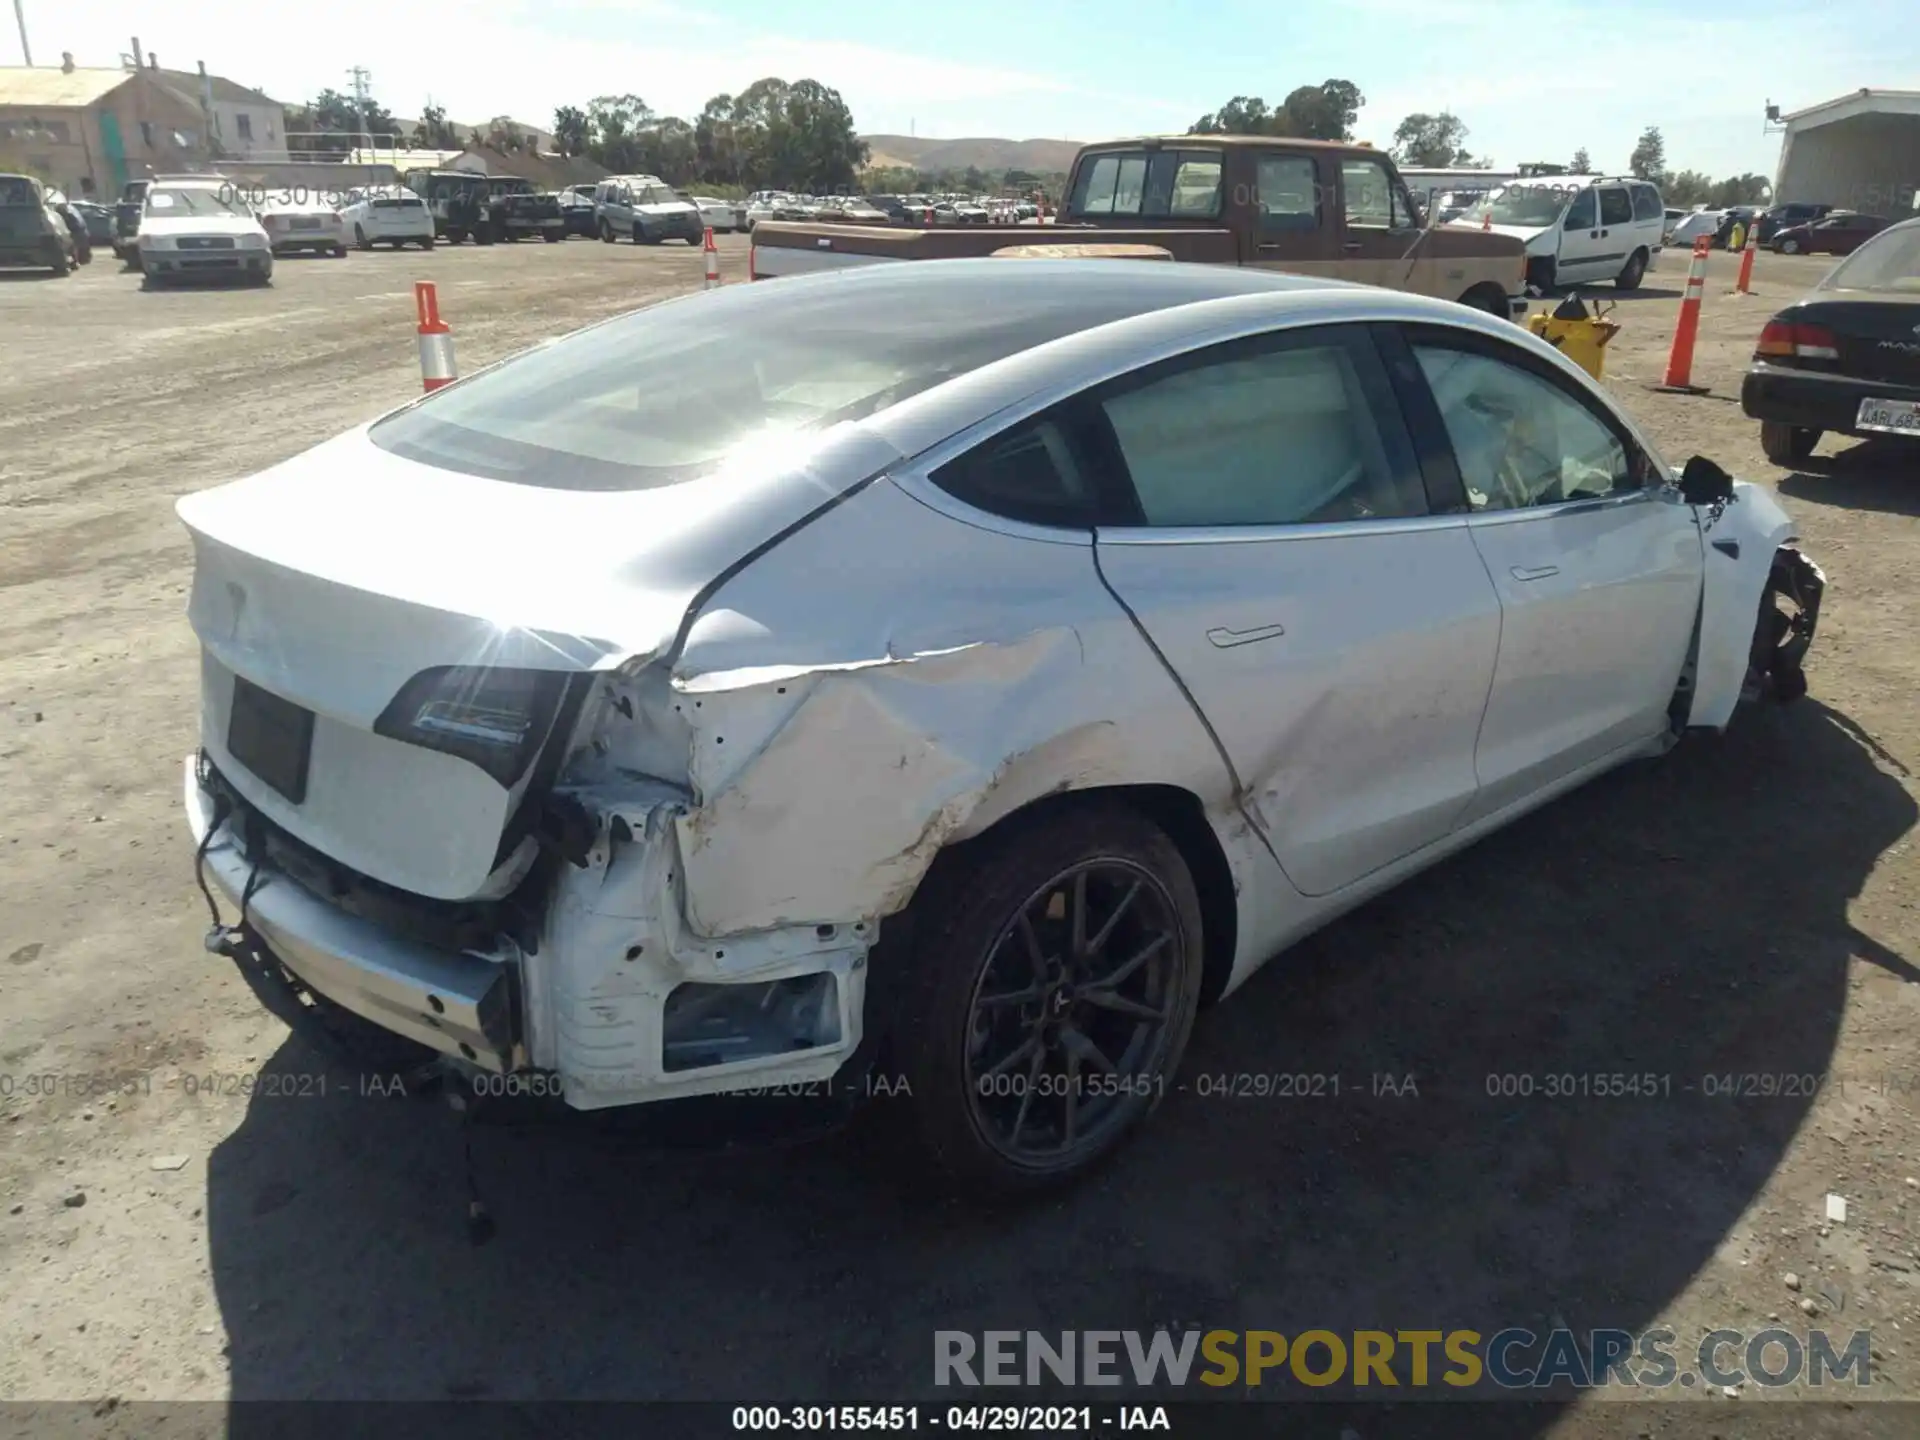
1306, 206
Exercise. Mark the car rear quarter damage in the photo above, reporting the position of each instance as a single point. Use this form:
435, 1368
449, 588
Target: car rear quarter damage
737, 819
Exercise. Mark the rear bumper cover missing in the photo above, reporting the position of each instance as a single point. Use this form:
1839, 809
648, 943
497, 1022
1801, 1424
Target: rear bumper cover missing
459, 1004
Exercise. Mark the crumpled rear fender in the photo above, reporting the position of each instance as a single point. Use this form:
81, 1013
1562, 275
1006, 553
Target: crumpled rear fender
1741, 547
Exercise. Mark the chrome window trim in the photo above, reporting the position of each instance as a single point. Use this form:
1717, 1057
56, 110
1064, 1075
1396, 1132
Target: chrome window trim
1267, 534
1564, 508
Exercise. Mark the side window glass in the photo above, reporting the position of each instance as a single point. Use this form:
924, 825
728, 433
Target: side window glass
1027, 473
1284, 436
1581, 215
1520, 440
1369, 195
1615, 207
1646, 203
1288, 193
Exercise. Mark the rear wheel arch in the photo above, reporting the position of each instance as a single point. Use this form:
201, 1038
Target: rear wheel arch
1176, 812
1486, 296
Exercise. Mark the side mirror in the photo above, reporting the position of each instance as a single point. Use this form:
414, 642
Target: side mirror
1704, 483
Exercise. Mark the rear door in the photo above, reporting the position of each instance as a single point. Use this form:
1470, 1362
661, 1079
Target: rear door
1597, 564
1335, 633
1380, 228
1294, 227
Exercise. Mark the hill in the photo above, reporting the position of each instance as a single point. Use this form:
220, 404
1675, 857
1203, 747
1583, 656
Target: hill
1038, 156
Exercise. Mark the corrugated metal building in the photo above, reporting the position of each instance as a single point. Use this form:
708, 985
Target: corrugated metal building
1858, 152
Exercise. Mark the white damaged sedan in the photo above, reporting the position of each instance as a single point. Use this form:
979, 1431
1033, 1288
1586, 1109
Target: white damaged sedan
955, 673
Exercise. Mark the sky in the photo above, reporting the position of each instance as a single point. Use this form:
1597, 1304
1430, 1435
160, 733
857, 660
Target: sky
1532, 81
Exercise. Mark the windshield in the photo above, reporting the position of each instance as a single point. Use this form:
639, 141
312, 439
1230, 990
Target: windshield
1889, 261
1154, 185
669, 394
198, 201
1528, 205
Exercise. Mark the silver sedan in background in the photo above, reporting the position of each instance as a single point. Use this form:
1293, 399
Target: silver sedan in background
998, 668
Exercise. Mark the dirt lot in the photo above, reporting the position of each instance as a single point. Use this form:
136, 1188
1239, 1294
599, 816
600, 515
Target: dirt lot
1746, 906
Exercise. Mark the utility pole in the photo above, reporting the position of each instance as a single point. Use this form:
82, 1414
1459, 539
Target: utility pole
20, 14
360, 77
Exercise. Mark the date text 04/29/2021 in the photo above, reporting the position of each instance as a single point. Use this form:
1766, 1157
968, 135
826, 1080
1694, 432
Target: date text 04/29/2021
1005, 1419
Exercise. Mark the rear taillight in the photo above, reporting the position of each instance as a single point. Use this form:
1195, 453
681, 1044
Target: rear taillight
496, 718
1796, 340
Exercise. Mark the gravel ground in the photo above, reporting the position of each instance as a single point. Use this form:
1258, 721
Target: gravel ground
1746, 906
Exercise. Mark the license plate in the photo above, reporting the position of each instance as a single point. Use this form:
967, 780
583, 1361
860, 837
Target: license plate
271, 737
303, 223
1890, 417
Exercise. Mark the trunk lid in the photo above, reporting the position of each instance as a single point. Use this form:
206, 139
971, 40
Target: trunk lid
334, 579
1877, 335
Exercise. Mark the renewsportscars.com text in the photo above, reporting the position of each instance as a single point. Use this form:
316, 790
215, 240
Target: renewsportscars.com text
1509, 1359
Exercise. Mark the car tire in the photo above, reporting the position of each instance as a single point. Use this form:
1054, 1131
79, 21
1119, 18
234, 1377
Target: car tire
553, 237
978, 935
1789, 246
360, 238
606, 233
339, 252
1636, 271
426, 242
62, 265
454, 237
1787, 444
1488, 298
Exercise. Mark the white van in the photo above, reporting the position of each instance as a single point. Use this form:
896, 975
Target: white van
1579, 229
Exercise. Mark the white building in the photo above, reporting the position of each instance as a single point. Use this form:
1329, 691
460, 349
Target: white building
1859, 152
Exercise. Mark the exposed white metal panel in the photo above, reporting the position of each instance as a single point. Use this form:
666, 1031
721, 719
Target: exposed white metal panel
1867, 160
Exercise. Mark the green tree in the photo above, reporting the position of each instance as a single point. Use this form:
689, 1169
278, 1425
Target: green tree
570, 130
1242, 115
1431, 141
1687, 189
332, 113
434, 132
1649, 158
1323, 112
1748, 189
1581, 165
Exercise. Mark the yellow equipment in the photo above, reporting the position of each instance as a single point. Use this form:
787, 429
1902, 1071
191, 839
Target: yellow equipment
1581, 337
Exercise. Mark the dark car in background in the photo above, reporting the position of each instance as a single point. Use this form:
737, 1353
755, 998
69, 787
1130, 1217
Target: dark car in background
461, 203
32, 233
1785, 217
97, 218
1846, 357
577, 210
1840, 233
1741, 215
521, 212
126, 219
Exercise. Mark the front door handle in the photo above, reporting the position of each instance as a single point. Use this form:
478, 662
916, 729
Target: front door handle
1226, 639
1534, 572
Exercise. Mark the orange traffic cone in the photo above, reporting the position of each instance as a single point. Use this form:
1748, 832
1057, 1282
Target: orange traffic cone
1743, 286
1680, 358
713, 260
436, 340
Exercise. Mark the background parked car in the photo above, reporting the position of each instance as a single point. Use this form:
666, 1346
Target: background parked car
648, 211
303, 225
721, 216
521, 212
97, 218
1741, 215
576, 210
31, 232
1785, 217
201, 228
76, 225
1843, 358
1691, 227
391, 216
1840, 233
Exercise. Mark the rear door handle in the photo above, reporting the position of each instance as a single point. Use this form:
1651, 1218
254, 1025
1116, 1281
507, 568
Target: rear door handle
1226, 639
1533, 572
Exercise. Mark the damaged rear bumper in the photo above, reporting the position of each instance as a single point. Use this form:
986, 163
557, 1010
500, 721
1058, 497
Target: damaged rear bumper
609, 993
459, 1004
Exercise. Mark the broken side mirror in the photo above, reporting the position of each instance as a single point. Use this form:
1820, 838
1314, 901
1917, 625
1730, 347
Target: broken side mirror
1704, 483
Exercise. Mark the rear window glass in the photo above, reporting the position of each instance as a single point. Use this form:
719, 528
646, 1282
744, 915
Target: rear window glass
1161, 184
16, 191
1615, 208
668, 394
1889, 261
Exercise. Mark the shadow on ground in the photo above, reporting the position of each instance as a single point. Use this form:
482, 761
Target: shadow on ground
1879, 475
1681, 919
